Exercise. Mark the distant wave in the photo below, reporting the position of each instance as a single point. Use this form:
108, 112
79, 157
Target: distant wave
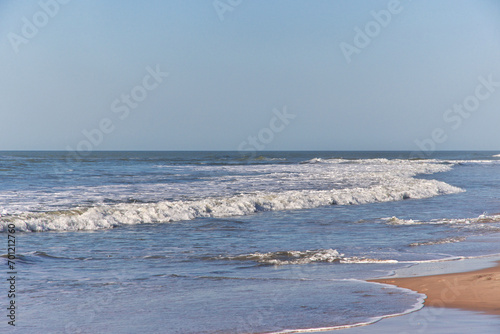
264, 158
320, 160
108, 216
406, 163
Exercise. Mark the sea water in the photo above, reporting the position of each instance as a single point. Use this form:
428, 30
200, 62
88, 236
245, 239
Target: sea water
222, 242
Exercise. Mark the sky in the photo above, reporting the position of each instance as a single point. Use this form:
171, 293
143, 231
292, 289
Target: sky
250, 75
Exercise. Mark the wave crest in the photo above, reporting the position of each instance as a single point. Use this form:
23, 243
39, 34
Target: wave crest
102, 217
302, 257
478, 221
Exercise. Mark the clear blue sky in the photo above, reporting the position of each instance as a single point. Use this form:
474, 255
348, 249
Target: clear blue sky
229, 67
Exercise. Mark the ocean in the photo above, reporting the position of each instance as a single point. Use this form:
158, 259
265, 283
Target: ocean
223, 242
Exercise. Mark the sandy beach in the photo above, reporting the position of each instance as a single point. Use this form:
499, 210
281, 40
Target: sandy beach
475, 291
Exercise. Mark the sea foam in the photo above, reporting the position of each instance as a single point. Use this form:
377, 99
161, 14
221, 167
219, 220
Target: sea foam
267, 188
108, 216
478, 221
302, 257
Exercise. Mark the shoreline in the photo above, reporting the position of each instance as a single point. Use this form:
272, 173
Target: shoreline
452, 297
477, 290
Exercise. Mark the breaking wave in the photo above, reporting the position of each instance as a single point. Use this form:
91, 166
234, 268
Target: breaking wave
479, 221
108, 216
301, 257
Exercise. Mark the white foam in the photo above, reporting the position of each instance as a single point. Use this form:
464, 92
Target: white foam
479, 221
294, 257
217, 191
180, 182
472, 162
362, 260
303, 257
108, 216
290, 257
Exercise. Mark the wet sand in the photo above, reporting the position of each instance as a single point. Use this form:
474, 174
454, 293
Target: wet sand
475, 291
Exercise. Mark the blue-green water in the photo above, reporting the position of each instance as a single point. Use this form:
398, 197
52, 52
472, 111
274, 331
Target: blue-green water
219, 242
